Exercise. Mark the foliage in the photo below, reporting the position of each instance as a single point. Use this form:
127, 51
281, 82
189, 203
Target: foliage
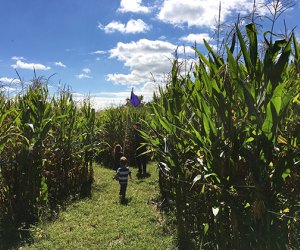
227, 142
46, 155
102, 223
225, 136
116, 127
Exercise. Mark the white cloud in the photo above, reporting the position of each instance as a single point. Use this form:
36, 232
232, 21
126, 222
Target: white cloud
104, 99
82, 76
98, 52
147, 60
200, 13
60, 64
85, 74
133, 6
112, 99
86, 70
268, 8
147, 90
9, 80
33, 66
132, 26
18, 58
162, 37
124, 79
7, 89
106, 102
198, 38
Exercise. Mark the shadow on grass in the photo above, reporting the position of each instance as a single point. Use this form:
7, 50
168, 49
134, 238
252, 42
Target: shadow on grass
142, 176
13, 238
99, 187
125, 201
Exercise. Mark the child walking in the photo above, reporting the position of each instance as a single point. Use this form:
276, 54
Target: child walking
122, 175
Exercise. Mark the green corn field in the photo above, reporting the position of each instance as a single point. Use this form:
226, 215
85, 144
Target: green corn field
225, 137
226, 140
115, 126
47, 148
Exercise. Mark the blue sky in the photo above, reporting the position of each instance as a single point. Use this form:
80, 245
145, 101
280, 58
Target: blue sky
103, 48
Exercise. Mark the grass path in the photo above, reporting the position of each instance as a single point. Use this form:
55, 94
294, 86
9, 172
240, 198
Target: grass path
103, 223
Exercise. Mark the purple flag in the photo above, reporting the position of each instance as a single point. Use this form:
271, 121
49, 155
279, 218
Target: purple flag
134, 99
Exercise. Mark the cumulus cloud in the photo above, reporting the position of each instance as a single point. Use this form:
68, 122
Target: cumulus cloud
85, 74
147, 60
86, 70
82, 76
33, 66
9, 80
147, 90
60, 64
9, 86
103, 100
7, 89
200, 13
198, 38
132, 26
133, 6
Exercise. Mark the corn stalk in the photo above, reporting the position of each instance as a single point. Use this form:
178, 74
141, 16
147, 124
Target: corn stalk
231, 151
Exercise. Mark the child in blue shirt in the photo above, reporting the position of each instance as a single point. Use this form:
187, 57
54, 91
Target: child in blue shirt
122, 176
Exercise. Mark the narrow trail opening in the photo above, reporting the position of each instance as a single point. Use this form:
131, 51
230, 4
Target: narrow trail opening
101, 222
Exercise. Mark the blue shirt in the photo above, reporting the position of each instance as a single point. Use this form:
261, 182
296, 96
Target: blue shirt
123, 174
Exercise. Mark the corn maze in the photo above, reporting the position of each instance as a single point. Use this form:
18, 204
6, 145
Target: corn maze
46, 147
225, 136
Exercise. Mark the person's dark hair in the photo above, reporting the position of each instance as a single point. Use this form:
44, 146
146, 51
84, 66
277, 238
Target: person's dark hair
118, 148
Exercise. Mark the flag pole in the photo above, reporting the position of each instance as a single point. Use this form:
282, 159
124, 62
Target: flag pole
126, 128
134, 100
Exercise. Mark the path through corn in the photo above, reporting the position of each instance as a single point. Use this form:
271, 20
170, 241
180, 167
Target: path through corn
101, 222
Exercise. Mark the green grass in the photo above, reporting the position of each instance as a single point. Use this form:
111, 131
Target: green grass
103, 223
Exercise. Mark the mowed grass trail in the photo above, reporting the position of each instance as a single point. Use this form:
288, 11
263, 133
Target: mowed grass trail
101, 222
